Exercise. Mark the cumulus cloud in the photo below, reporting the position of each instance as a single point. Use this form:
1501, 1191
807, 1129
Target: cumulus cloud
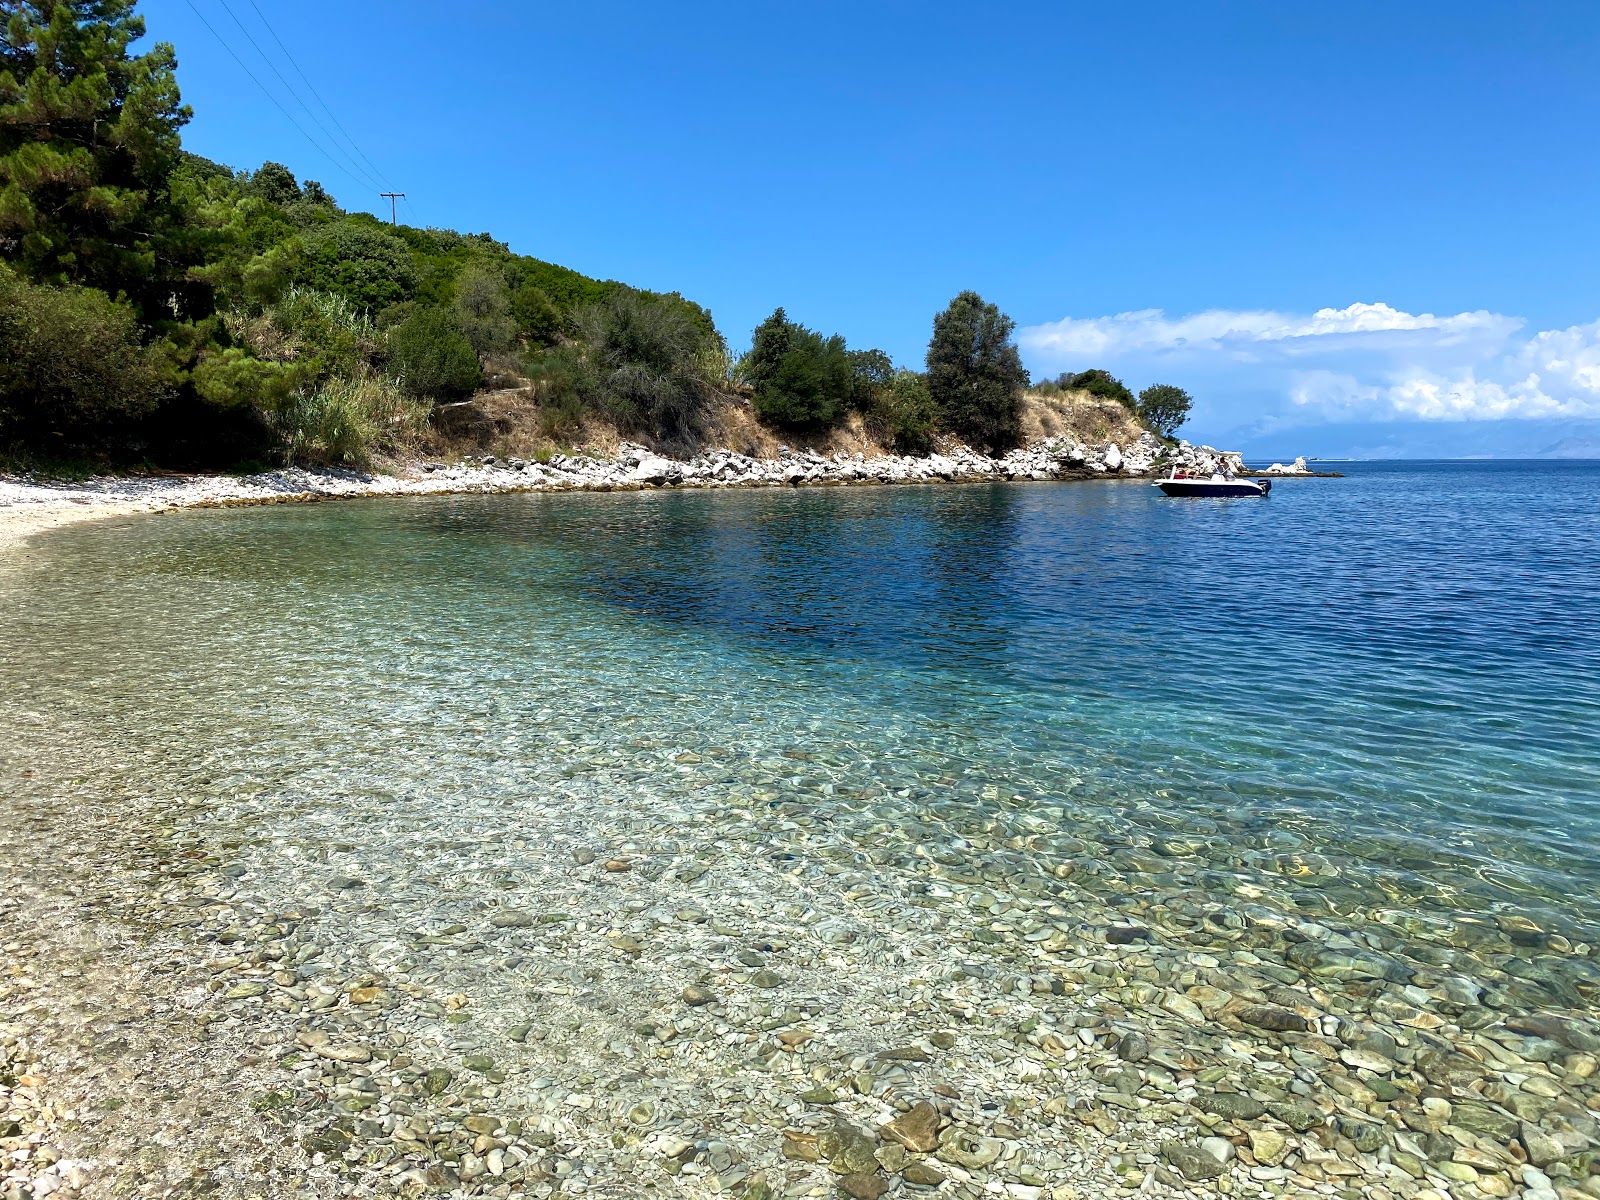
1371, 361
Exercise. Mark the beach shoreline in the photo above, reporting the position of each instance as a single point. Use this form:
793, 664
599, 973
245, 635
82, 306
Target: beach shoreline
31, 506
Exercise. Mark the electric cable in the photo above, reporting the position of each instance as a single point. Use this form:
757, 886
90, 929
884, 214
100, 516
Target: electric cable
332, 116
289, 87
287, 114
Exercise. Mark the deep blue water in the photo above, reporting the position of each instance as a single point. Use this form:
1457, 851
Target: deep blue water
1383, 684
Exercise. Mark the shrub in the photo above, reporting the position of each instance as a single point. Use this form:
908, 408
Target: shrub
1103, 384
975, 375
644, 363
325, 333
71, 363
802, 380
902, 415
348, 421
565, 386
234, 378
1163, 408
432, 357
358, 260
537, 315
483, 310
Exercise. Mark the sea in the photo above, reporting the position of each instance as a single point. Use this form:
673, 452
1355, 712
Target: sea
1364, 707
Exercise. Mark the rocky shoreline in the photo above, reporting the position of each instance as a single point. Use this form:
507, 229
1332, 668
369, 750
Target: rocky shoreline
28, 505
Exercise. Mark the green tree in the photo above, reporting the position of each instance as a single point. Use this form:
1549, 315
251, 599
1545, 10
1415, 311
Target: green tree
432, 357
1163, 408
357, 259
902, 416
644, 363
769, 342
870, 372
315, 193
1103, 384
275, 184
483, 310
88, 139
802, 380
71, 364
975, 374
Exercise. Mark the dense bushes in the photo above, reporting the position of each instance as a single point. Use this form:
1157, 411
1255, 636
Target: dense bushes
348, 420
901, 414
71, 363
432, 357
537, 316
358, 260
644, 354
801, 379
323, 378
483, 310
640, 361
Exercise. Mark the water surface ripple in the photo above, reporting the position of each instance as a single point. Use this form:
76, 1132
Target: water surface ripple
1366, 701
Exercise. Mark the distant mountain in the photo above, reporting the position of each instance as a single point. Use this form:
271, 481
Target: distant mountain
1413, 439
1573, 447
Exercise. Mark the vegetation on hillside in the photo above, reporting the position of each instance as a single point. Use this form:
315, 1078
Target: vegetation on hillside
157, 305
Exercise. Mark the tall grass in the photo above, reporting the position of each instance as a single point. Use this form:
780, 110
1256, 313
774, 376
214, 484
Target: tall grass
349, 421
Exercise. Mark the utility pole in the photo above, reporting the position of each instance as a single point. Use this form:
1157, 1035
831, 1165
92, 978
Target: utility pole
391, 197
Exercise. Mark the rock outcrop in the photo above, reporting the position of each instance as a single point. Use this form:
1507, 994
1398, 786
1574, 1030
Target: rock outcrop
1298, 467
1048, 458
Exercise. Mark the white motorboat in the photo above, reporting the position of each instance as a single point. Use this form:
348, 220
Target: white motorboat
1215, 484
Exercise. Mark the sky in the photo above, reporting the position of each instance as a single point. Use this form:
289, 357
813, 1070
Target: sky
1352, 230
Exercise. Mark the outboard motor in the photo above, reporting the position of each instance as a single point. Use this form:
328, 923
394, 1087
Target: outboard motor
1266, 486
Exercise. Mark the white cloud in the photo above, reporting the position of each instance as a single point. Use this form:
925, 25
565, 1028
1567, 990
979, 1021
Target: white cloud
1370, 361
1251, 333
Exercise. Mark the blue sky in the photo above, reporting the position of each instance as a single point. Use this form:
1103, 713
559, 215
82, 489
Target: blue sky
1348, 229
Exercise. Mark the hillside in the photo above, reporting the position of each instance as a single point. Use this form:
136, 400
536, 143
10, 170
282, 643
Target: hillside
158, 309
511, 422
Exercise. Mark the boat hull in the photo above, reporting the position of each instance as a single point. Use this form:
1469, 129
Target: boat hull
1214, 487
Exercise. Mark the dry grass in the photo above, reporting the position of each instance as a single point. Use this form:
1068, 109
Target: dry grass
1089, 419
738, 430
507, 422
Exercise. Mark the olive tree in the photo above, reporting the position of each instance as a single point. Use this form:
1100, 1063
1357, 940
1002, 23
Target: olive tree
1163, 408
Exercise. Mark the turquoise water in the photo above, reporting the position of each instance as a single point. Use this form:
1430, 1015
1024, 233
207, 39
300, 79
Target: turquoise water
1365, 702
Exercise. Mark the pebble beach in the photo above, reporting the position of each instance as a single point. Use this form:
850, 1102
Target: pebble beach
699, 968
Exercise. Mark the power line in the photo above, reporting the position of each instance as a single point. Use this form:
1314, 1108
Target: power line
287, 114
331, 115
315, 120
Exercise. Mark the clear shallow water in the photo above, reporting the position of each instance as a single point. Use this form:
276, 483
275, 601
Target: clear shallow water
1365, 703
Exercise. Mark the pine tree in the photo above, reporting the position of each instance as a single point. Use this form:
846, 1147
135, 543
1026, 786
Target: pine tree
89, 137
